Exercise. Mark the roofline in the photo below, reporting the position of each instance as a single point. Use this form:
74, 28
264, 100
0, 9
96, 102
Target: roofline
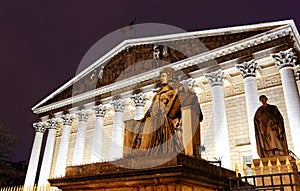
178, 36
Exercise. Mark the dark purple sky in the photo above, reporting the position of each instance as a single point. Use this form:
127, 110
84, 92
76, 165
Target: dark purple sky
43, 42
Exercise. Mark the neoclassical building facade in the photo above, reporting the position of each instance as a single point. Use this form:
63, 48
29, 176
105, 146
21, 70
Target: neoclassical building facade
89, 119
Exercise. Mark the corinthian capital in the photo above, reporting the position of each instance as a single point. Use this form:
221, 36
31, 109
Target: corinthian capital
67, 119
248, 68
215, 78
139, 99
83, 115
286, 58
39, 127
100, 110
52, 123
118, 105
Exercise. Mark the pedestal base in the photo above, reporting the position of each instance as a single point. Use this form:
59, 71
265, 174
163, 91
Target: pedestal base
275, 169
275, 173
182, 173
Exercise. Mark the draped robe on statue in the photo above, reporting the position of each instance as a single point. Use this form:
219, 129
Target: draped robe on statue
160, 131
270, 132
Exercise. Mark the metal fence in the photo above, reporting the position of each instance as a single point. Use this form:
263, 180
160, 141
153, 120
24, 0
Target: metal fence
29, 188
281, 181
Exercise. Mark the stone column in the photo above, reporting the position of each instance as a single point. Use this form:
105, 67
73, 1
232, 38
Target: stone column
286, 60
61, 161
118, 131
248, 71
139, 102
220, 121
35, 155
80, 138
96, 155
48, 153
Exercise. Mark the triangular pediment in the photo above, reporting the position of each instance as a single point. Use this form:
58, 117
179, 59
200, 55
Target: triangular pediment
137, 56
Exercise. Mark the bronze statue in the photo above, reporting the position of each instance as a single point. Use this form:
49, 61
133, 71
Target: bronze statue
269, 130
161, 127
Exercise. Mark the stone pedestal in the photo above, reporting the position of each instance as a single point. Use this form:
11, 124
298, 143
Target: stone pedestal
278, 174
182, 173
190, 132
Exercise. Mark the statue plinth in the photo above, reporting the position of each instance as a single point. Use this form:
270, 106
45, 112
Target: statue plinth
179, 174
273, 167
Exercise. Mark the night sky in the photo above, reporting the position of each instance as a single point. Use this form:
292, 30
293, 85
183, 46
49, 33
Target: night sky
43, 42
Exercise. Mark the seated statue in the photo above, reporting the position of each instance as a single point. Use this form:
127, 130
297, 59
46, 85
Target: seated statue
269, 130
160, 130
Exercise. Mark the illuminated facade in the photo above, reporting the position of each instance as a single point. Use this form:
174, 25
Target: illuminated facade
228, 69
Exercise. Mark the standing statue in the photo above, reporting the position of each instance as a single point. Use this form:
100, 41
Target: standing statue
159, 131
269, 130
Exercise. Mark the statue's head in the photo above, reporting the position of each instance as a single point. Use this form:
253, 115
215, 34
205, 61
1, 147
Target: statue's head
167, 75
263, 98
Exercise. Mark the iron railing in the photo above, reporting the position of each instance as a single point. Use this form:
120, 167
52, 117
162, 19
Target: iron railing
282, 182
